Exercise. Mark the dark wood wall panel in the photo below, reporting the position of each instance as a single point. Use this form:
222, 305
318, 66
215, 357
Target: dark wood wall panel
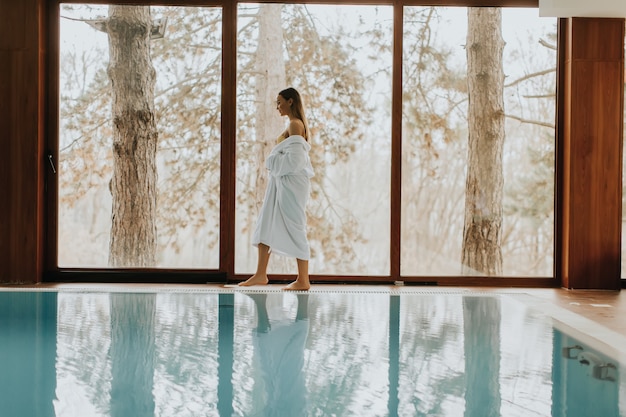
5, 167
597, 39
593, 153
21, 139
13, 29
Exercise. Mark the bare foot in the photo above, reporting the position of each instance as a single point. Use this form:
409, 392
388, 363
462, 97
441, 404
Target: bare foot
298, 285
255, 280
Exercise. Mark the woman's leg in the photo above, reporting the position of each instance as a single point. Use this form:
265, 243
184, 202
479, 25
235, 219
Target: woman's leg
302, 281
263, 320
260, 277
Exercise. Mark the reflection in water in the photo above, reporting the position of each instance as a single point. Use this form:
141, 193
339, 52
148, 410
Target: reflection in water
432, 379
27, 354
330, 354
132, 354
189, 334
481, 327
83, 363
394, 354
225, 355
279, 346
346, 360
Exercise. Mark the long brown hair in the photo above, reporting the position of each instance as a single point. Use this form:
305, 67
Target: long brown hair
297, 108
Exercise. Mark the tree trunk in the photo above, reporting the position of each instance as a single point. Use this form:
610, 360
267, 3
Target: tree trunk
269, 82
133, 186
270, 79
482, 252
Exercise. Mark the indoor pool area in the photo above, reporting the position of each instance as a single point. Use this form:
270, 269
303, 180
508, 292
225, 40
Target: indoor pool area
337, 350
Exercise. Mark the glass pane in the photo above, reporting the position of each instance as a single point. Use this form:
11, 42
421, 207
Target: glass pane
339, 58
167, 212
436, 129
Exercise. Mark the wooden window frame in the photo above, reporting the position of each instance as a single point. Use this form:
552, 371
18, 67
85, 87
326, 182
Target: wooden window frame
226, 271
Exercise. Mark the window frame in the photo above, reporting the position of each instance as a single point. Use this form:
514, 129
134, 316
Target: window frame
226, 271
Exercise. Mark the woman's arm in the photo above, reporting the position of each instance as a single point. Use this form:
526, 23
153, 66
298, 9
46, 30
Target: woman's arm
290, 160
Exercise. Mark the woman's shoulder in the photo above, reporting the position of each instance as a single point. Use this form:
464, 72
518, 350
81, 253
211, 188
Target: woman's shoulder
296, 127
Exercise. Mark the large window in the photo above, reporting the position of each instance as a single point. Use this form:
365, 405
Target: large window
167, 114
508, 199
340, 59
171, 191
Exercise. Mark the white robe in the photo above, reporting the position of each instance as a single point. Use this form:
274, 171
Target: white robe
282, 221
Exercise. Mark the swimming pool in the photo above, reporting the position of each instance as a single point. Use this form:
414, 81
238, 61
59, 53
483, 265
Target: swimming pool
268, 353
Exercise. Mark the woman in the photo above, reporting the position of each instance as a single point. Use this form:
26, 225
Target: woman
281, 227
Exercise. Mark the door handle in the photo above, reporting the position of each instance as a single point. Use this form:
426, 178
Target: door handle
54, 171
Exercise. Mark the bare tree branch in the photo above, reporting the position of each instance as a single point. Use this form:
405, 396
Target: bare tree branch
205, 46
529, 76
79, 20
552, 95
547, 44
532, 122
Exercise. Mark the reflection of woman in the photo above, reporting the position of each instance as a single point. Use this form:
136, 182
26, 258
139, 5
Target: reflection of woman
281, 226
280, 349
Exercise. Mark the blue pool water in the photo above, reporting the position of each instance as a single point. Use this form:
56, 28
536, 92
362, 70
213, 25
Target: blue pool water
255, 353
